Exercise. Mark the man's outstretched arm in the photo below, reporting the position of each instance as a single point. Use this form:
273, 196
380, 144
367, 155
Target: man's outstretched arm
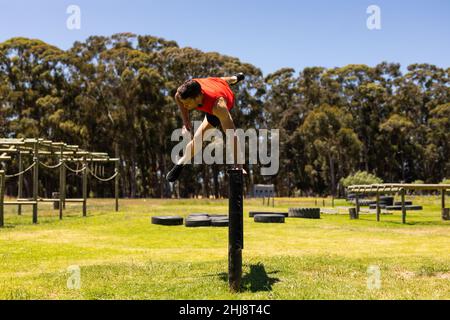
184, 112
234, 79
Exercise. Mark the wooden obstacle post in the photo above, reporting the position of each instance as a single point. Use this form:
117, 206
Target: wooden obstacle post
378, 207
352, 213
444, 211
235, 229
35, 181
357, 204
116, 184
61, 183
402, 193
20, 184
2, 197
85, 186
64, 185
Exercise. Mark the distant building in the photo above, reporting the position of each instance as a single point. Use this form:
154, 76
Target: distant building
263, 191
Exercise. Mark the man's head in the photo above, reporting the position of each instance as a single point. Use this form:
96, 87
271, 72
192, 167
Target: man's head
190, 94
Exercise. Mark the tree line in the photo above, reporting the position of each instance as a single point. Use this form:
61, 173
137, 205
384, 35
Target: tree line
116, 94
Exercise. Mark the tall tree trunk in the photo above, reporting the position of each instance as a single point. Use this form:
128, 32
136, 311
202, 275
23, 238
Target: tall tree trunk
132, 179
332, 175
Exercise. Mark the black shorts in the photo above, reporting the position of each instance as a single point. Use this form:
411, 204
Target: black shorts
213, 120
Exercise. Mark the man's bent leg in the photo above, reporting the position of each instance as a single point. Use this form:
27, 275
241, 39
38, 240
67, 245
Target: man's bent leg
193, 147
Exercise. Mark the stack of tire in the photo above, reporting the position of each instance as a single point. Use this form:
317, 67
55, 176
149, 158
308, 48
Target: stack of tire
168, 221
365, 203
252, 214
268, 217
206, 220
306, 213
193, 220
387, 200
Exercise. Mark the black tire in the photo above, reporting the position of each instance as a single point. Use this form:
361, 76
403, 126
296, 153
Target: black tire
408, 208
194, 215
374, 206
219, 223
269, 218
218, 216
198, 222
251, 214
307, 213
407, 203
168, 221
388, 200
365, 203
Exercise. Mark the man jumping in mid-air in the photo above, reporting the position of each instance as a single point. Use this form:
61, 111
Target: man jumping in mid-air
212, 96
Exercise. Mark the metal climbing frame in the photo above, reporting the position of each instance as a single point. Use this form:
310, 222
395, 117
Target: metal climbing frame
398, 188
65, 155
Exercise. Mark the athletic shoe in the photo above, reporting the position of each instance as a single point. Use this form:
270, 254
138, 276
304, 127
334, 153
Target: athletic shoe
173, 174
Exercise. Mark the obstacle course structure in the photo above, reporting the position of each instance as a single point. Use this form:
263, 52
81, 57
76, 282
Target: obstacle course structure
235, 228
398, 188
39, 150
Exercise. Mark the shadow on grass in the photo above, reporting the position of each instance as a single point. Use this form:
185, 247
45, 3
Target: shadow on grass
409, 222
256, 280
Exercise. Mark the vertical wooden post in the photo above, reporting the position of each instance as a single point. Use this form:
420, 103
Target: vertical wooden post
20, 185
353, 214
332, 201
236, 229
357, 204
61, 183
378, 207
35, 181
116, 184
444, 214
2, 197
84, 187
403, 206
64, 186
273, 202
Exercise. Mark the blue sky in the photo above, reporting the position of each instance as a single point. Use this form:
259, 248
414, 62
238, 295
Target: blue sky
269, 34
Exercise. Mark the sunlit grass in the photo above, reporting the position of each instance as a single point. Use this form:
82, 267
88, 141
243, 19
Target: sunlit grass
123, 256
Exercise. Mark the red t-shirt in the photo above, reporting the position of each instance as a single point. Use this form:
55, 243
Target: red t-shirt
213, 89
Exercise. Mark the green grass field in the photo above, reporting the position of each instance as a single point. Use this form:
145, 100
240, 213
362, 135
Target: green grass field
123, 256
